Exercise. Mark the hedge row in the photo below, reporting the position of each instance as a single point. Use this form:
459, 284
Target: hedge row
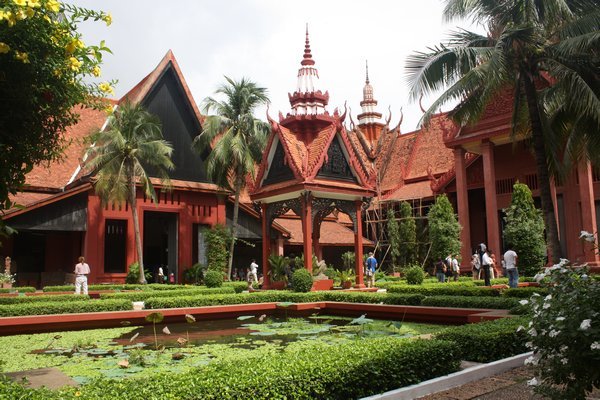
42, 299
308, 371
524, 292
142, 295
442, 290
470, 302
151, 286
20, 289
238, 286
488, 341
64, 307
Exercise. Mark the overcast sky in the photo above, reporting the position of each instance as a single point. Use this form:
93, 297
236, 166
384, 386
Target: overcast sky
263, 40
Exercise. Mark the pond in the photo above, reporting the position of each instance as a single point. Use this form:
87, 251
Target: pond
137, 351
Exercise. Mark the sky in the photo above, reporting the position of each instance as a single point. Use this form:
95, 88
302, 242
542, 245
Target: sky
263, 40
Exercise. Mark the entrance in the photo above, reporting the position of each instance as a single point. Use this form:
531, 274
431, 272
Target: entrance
160, 243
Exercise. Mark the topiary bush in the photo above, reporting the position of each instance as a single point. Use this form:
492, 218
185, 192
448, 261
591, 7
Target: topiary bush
414, 275
213, 279
302, 280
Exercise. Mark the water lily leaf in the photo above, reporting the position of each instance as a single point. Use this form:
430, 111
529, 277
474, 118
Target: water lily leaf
244, 317
82, 380
285, 304
125, 323
361, 320
265, 333
154, 317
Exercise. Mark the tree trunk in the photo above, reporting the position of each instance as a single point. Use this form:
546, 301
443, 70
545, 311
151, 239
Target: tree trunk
136, 230
542, 167
236, 210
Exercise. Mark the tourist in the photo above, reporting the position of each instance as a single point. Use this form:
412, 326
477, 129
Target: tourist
486, 264
455, 268
160, 277
370, 270
440, 270
510, 263
475, 266
493, 264
448, 263
82, 270
253, 272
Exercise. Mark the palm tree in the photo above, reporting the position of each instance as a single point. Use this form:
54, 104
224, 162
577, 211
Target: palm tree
235, 139
120, 156
545, 52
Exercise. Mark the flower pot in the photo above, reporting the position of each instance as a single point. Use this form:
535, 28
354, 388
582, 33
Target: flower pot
346, 284
138, 305
278, 285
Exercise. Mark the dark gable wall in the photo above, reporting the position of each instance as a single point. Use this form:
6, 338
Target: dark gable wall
168, 101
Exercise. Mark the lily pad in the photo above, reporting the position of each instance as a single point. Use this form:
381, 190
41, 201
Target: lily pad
245, 317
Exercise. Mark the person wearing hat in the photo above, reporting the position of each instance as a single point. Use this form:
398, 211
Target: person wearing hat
370, 270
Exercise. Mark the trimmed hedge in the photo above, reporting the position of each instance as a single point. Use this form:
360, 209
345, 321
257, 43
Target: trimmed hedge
308, 371
141, 295
488, 341
444, 290
42, 299
238, 286
64, 307
20, 289
151, 286
524, 292
501, 303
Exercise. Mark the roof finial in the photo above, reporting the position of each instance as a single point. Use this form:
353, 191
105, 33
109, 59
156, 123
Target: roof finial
307, 59
367, 69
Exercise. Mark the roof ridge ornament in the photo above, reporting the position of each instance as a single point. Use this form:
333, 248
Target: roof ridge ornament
307, 58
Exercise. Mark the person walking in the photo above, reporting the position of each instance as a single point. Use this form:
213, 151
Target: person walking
510, 263
82, 270
455, 268
370, 270
440, 271
253, 273
475, 266
486, 264
493, 265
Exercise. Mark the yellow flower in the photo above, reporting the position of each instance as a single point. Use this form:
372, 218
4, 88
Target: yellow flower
108, 19
75, 63
74, 45
22, 56
53, 5
34, 3
108, 109
20, 14
10, 17
106, 88
4, 48
20, 3
77, 393
48, 20
57, 72
30, 12
96, 71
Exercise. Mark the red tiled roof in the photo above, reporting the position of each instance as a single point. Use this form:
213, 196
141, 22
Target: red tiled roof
393, 161
58, 173
415, 190
332, 233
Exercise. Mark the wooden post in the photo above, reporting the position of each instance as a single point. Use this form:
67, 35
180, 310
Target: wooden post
358, 247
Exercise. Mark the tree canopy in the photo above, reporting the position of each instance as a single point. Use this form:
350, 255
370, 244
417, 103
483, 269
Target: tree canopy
444, 229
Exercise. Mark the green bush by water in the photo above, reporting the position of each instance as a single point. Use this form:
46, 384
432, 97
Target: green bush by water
414, 275
20, 289
302, 280
470, 302
444, 290
213, 279
64, 307
142, 295
42, 299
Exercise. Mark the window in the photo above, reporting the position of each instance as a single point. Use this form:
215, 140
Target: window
115, 246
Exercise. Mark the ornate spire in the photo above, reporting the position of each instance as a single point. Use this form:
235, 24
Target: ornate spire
307, 99
368, 104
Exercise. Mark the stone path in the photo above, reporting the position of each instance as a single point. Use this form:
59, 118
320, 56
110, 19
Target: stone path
52, 378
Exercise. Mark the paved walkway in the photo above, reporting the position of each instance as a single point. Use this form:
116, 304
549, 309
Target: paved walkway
511, 385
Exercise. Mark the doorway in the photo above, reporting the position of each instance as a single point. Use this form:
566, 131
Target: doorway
160, 243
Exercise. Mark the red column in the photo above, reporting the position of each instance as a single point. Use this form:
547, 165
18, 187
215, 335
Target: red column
358, 247
491, 202
307, 231
462, 196
94, 238
266, 244
588, 208
185, 241
280, 243
221, 210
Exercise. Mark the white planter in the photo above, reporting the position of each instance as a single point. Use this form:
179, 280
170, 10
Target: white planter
138, 305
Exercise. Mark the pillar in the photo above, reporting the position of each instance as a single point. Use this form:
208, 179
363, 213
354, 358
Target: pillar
491, 201
555, 204
280, 243
307, 230
462, 196
221, 210
358, 247
266, 244
93, 242
588, 208
185, 235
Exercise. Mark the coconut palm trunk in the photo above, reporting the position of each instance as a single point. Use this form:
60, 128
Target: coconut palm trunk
234, 225
541, 164
136, 228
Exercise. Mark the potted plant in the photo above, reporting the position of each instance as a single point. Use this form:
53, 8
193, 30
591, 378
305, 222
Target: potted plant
346, 278
7, 280
278, 271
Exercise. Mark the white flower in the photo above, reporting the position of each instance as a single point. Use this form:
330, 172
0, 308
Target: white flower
595, 346
523, 302
547, 305
553, 333
539, 277
520, 328
530, 324
585, 324
529, 345
533, 382
564, 361
531, 360
547, 298
587, 236
563, 261
560, 318
584, 276
532, 332
564, 348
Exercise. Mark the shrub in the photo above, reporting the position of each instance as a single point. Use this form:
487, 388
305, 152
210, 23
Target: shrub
117, 287
64, 307
524, 230
20, 289
408, 232
564, 334
524, 292
394, 237
444, 290
239, 287
488, 341
414, 275
133, 274
217, 241
470, 302
141, 295
40, 299
443, 229
301, 280
306, 370
194, 274
213, 279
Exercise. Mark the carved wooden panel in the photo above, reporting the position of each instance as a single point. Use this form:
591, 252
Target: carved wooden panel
336, 166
